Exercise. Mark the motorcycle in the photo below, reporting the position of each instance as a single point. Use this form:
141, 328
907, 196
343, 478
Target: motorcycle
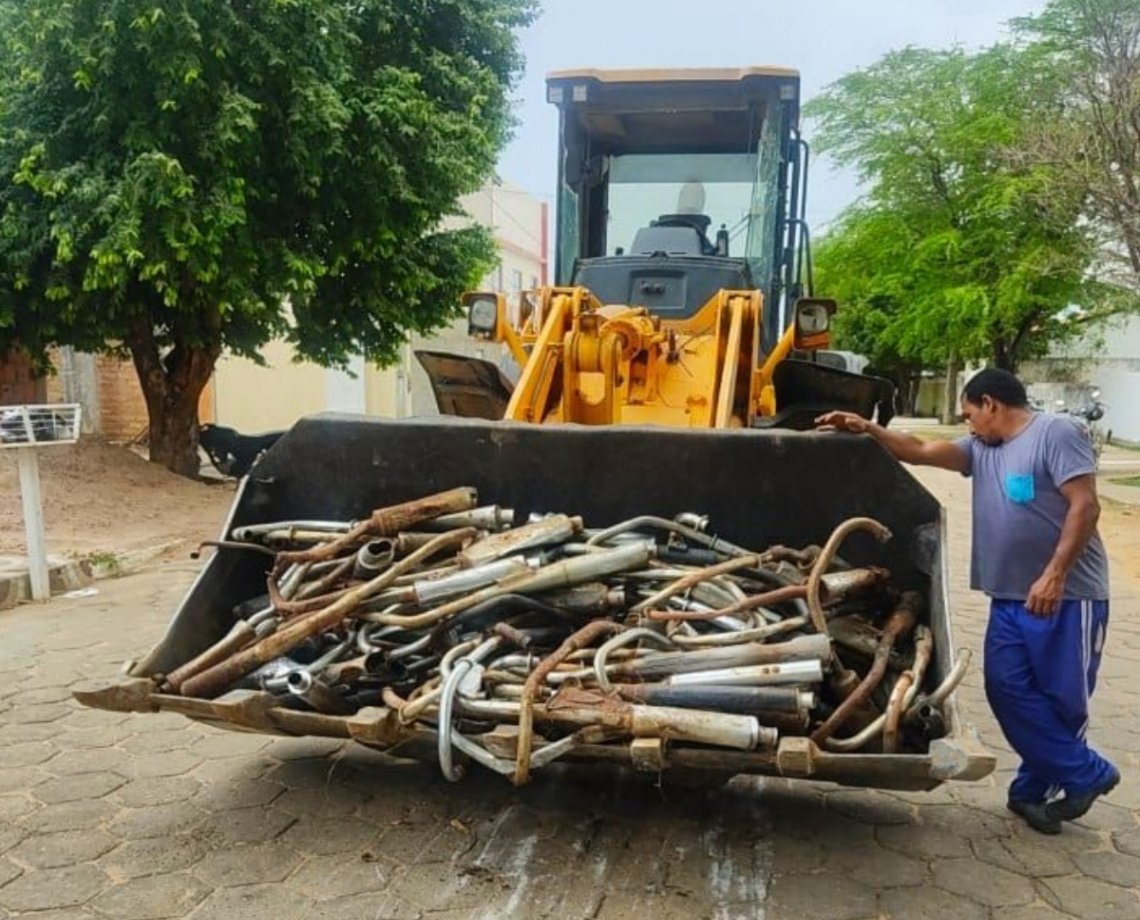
1088, 416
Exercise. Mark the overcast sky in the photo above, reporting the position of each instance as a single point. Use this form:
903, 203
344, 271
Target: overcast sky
823, 39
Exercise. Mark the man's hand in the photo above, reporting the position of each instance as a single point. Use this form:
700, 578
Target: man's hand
843, 421
1046, 593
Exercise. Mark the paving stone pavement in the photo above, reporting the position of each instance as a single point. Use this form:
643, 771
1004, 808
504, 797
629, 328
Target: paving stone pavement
105, 815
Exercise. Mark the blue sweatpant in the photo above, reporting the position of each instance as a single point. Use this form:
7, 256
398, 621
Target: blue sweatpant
1040, 673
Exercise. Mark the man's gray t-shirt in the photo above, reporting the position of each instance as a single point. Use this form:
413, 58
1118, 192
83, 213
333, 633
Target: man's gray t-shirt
1019, 509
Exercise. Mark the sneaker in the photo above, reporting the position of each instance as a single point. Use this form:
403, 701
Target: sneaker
1036, 815
1072, 807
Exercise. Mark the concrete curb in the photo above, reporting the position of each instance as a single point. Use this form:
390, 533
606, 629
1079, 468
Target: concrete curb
63, 575
69, 574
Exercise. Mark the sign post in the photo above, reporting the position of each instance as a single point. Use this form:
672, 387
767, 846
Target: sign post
27, 429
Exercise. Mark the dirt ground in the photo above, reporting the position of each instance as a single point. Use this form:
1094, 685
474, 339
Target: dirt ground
102, 498
1120, 530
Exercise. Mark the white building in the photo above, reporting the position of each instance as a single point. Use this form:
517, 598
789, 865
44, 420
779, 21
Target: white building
251, 398
1107, 358
519, 223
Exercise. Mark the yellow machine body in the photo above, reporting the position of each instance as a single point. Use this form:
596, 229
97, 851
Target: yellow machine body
595, 364
650, 321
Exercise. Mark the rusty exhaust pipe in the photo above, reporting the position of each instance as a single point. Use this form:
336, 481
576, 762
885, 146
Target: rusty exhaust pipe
899, 623
551, 530
387, 522
663, 664
823, 562
221, 675
318, 695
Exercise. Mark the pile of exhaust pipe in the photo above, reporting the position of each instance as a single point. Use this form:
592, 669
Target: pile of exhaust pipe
520, 643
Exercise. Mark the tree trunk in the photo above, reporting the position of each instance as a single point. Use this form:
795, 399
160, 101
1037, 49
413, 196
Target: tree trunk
1013, 353
172, 385
904, 394
1003, 354
950, 394
910, 380
173, 436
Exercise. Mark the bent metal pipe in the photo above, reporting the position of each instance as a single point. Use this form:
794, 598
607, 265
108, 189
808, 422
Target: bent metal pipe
575, 641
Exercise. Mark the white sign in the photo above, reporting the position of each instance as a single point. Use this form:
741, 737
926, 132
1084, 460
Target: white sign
32, 426
27, 428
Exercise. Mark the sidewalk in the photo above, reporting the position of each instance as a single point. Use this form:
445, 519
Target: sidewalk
108, 815
1126, 495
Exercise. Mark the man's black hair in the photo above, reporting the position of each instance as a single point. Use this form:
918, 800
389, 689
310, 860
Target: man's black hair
1000, 386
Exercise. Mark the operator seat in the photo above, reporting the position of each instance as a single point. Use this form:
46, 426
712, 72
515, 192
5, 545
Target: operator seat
698, 222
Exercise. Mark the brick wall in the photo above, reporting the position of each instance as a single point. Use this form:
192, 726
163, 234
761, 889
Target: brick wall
122, 409
121, 412
17, 382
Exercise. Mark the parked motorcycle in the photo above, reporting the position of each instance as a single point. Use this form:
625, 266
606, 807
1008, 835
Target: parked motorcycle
1088, 416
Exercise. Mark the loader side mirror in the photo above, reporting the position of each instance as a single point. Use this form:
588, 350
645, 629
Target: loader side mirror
813, 322
485, 312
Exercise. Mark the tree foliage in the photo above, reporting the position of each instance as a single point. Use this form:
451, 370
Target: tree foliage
955, 249
181, 178
1092, 140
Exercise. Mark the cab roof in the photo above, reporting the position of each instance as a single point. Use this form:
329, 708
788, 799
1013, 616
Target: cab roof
711, 110
674, 75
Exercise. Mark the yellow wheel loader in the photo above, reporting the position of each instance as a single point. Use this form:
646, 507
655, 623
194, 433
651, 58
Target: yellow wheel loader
681, 263
659, 572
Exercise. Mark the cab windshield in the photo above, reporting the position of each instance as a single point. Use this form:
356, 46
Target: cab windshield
682, 189
737, 191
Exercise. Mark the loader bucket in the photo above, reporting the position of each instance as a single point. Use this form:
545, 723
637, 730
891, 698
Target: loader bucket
466, 387
758, 488
807, 389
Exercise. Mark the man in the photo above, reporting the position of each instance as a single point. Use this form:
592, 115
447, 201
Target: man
1036, 553
691, 213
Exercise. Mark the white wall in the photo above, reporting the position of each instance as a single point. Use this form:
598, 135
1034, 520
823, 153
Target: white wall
1107, 358
1115, 340
344, 390
1119, 387
517, 221
1120, 391
1118, 382
253, 398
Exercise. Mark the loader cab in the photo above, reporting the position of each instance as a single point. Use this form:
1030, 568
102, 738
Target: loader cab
676, 190
674, 185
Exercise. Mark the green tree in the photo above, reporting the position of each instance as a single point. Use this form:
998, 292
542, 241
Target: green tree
860, 263
955, 252
186, 177
1092, 141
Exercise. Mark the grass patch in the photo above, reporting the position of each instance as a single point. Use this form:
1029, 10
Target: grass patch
103, 563
1126, 481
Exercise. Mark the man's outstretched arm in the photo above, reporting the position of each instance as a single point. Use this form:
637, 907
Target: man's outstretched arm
907, 448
